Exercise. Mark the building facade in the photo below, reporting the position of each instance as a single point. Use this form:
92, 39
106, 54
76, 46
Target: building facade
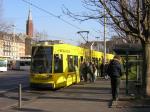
12, 46
15, 46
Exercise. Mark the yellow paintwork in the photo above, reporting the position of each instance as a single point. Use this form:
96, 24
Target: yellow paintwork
109, 57
66, 78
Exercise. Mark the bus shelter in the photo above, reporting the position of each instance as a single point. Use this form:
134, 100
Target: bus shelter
132, 62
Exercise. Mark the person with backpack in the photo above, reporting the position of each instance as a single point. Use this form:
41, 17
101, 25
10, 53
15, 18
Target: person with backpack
115, 71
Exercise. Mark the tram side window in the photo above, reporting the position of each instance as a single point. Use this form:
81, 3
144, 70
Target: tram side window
58, 63
70, 64
76, 60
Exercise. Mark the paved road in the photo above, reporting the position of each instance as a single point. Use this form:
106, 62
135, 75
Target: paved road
83, 97
10, 79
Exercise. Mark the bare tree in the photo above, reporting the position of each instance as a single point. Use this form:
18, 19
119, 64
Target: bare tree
133, 18
128, 17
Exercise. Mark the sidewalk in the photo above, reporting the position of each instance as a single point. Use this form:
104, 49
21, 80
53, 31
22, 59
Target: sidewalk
132, 100
84, 97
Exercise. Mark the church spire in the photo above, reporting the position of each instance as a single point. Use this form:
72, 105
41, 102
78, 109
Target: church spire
29, 33
29, 25
29, 15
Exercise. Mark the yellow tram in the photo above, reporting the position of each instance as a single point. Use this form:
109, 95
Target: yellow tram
57, 65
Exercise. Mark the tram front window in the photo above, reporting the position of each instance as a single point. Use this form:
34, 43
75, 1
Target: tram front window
41, 60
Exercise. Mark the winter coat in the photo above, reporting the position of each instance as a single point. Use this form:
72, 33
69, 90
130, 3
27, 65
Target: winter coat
115, 69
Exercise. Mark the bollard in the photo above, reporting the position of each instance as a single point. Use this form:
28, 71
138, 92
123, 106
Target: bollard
20, 97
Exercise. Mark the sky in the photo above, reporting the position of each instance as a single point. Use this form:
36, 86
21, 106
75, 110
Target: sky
16, 12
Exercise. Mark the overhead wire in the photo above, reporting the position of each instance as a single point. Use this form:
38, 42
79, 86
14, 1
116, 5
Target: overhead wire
51, 14
58, 17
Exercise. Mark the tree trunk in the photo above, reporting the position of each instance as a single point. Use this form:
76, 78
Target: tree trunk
146, 70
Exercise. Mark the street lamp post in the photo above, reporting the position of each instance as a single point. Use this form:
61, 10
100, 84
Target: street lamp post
14, 47
105, 32
104, 36
86, 40
13, 33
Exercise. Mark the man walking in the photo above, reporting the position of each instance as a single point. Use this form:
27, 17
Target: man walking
115, 71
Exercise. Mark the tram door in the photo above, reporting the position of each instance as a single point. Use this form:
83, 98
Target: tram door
81, 59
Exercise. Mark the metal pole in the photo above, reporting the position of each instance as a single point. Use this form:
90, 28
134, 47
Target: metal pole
127, 59
20, 96
14, 50
137, 68
104, 36
97, 43
91, 48
139, 25
85, 38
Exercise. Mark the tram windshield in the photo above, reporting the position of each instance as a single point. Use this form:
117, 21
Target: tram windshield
41, 59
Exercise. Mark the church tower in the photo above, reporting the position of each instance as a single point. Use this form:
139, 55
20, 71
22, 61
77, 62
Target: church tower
29, 33
29, 25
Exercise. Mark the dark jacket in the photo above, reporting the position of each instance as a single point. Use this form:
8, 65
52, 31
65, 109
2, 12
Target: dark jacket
114, 69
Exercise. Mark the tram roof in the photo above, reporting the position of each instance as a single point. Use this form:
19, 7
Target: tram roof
57, 44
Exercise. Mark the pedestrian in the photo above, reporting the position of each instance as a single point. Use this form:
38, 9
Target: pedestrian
97, 69
115, 71
86, 70
83, 69
102, 69
91, 71
94, 71
105, 70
